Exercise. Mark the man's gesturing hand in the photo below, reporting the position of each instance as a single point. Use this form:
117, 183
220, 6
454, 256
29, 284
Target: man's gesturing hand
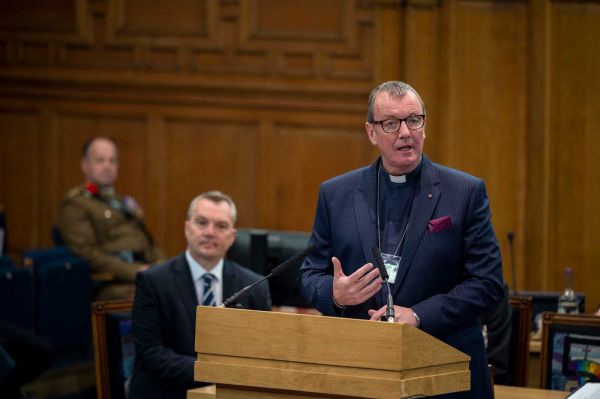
357, 287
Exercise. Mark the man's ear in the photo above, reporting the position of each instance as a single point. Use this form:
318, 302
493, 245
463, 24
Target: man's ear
187, 225
371, 133
234, 236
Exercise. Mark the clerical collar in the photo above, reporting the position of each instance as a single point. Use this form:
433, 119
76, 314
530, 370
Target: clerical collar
401, 179
398, 179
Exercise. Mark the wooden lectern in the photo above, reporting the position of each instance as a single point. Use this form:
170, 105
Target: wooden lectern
253, 354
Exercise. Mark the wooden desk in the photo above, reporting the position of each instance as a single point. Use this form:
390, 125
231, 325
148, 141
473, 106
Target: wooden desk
506, 392
500, 392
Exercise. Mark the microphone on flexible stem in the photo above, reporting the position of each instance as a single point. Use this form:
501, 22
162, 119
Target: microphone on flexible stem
277, 270
389, 311
511, 237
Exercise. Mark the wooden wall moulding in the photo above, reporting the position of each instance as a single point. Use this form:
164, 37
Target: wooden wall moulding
310, 25
156, 23
409, 3
216, 52
64, 21
287, 22
336, 35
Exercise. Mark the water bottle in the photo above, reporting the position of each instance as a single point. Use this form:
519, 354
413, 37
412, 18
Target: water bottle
568, 303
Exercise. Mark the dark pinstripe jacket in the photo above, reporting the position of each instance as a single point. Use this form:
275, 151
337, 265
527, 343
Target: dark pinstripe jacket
449, 276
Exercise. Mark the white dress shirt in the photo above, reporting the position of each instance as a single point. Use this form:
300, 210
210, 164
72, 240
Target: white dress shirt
198, 272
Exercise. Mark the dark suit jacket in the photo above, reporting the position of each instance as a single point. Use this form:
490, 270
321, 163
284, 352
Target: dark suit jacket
164, 320
448, 277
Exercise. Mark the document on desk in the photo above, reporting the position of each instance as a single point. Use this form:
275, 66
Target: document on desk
589, 390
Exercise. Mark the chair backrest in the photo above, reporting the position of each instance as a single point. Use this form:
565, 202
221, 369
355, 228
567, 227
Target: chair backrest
6, 263
519, 339
570, 354
282, 245
262, 250
62, 304
250, 249
546, 301
16, 296
34, 257
62, 294
114, 351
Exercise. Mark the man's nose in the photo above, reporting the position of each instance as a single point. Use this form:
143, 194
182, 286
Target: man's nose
404, 131
210, 229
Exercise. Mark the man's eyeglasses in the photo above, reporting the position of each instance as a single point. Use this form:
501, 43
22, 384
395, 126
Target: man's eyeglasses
413, 122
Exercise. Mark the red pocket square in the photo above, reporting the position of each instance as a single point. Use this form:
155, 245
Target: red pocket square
439, 224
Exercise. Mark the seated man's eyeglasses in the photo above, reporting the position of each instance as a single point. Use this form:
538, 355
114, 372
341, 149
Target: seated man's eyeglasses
413, 122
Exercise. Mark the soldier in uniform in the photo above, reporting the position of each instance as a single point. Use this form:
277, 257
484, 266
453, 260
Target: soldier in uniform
104, 228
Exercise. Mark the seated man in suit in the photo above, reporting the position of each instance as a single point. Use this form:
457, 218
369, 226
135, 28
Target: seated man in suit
164, 310
106, 229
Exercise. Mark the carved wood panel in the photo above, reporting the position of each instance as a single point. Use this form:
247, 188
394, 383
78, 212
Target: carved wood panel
258, 91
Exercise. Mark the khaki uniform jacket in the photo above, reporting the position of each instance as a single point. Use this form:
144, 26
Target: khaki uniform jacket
99, 233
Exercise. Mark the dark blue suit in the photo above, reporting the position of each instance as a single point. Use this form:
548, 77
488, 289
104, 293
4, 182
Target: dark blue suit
448, 277
164, 324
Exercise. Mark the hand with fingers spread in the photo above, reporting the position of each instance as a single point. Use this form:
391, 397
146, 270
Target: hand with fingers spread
401, 315
357, 287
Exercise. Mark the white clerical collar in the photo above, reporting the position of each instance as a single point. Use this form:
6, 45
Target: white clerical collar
398, 179
198, 270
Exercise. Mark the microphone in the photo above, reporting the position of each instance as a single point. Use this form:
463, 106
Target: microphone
389, 312
379, 263
277, 270
511, 237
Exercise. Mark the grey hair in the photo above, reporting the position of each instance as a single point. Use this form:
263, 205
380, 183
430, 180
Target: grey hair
216, 197
396, 89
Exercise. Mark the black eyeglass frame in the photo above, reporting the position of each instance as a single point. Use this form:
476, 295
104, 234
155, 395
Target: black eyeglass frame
400, 125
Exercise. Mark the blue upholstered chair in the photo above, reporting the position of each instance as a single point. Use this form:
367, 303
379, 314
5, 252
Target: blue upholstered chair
16, 296
6, 263
62, 298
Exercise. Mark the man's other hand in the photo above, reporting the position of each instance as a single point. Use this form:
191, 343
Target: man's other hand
401, 315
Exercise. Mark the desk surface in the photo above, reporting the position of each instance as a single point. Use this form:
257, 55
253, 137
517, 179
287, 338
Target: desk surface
500, 391
208, 392
506, 392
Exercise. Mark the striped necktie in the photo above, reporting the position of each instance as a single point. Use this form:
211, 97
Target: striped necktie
208, 294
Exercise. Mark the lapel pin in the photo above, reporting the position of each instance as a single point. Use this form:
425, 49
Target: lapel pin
430, 196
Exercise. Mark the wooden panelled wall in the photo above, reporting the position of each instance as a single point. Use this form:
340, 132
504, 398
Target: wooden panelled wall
264, 99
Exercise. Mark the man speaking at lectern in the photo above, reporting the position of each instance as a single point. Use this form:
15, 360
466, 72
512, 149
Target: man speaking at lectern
166, 296
432, 225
